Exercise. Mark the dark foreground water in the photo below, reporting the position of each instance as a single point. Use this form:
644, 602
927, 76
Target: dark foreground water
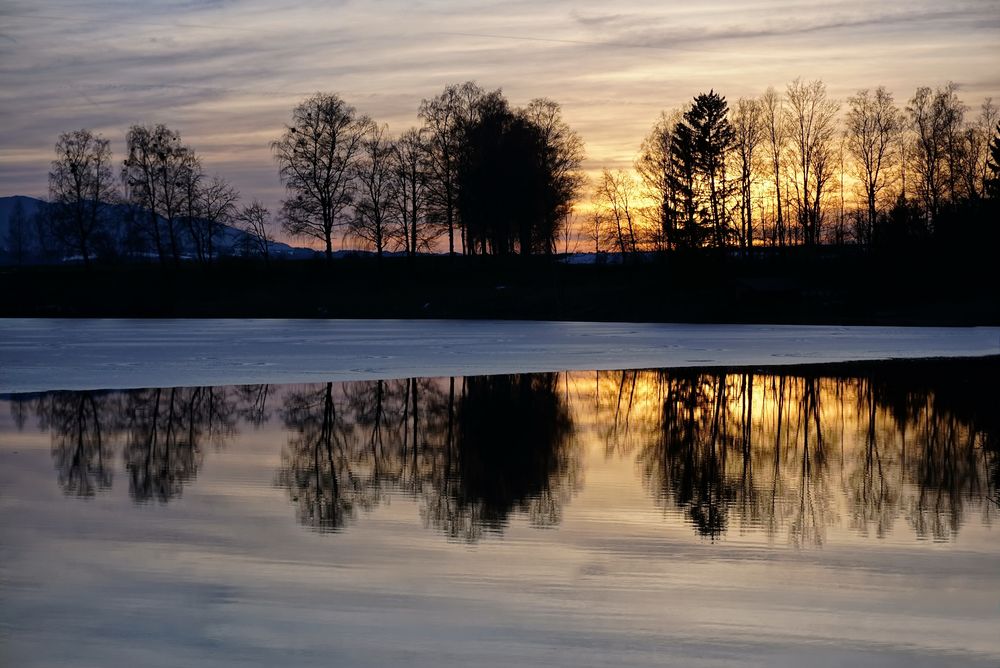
834, 515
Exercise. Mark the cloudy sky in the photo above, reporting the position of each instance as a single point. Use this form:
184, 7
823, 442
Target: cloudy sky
226, 73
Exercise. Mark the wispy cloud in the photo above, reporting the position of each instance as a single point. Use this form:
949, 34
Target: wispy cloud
226, 74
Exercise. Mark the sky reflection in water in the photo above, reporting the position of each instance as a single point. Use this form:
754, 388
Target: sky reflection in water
834, 513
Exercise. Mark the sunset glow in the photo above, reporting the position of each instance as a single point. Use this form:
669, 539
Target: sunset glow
226, 75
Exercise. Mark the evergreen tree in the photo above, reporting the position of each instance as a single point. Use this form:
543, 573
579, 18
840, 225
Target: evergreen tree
993, 181
712, 139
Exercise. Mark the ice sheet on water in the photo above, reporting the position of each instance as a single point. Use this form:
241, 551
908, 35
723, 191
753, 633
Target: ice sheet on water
46, 354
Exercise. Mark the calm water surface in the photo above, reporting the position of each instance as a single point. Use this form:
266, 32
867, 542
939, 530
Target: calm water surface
824, 515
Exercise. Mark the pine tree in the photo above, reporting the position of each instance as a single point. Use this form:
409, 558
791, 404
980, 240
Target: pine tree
993, 182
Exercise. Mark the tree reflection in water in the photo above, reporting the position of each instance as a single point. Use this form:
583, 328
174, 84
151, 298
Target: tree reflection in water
511, 452
472, 456
82, 426
322, 470
160, 433
788, 452
799, 451
165, 431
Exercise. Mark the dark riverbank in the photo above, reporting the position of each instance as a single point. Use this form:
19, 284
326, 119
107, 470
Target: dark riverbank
801, 286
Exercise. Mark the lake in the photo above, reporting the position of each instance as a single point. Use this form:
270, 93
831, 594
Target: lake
817, 515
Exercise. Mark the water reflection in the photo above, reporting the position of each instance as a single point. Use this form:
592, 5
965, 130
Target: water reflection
327, 476
795, 453
165, 430
472, 455
512, 452
789, 453
81, 424
161, 434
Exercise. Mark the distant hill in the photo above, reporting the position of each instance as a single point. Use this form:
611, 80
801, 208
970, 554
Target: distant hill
39, 250
29, 206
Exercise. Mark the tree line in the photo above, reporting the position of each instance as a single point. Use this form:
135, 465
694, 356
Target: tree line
798, 167
489, 177
482, 177
159, 202
492, 179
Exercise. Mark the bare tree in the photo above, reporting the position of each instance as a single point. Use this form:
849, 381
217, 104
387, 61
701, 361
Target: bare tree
776, 136
191, 176
80, 185
255, 220
598, 231
616, 194
810, 117
375, 188
873, 122
749, 128
316, 156
935, 117
411, 165
975, 150
211, 206
156, 174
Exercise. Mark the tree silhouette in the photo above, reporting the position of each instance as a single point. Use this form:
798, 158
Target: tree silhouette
616, 194
659, 173
317, 157
80, 185
748, 135
976, 150
211, 205
873, 124
446, 119
684, 164
810, 116
993, 164
560, 156
255, 219
411, 171
776, 133
935, 116
158, 173
707, 130
376, 189
501, 181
